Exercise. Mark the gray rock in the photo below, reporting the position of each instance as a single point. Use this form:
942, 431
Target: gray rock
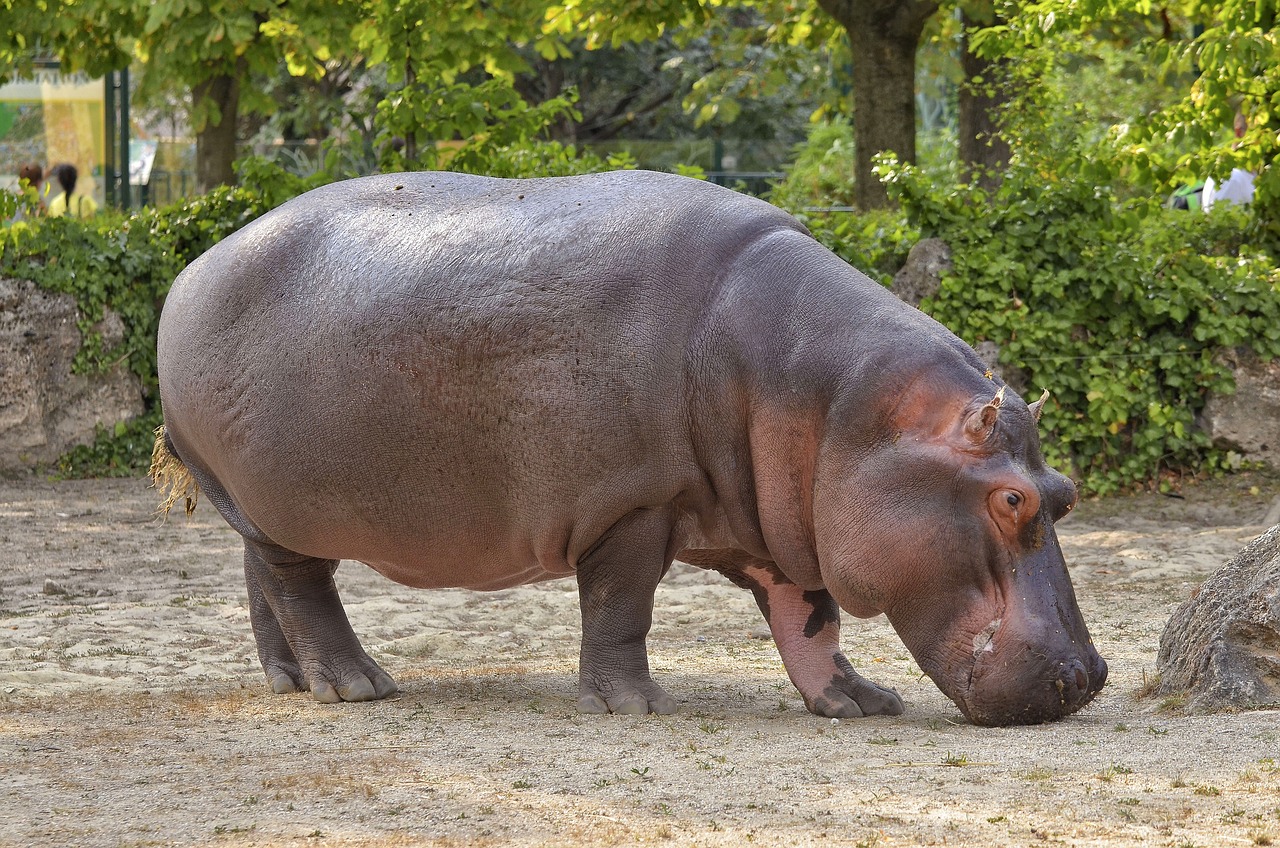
921, 277
1247, 421
44, 408
1221, 649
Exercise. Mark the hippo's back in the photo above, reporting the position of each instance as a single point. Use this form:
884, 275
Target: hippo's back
414, 368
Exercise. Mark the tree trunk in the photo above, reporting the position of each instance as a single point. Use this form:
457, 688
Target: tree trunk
216, 140
984, 152
883, 35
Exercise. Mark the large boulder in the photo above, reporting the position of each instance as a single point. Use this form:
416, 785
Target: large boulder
1247, 421
1221, 649
44, 408
921, 276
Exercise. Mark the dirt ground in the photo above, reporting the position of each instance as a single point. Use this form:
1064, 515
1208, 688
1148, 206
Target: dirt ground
133, 711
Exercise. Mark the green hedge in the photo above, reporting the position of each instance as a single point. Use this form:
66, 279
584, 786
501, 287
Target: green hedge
126, 264
1120, 310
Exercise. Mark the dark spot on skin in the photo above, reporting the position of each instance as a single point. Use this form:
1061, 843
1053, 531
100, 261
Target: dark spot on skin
868, 698
827, 707
824, 612
399, 187
779, 579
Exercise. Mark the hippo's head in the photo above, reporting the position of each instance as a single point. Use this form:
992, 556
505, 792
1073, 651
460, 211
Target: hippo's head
946, 526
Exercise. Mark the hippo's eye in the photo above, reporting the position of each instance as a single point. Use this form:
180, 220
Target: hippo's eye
1013, 499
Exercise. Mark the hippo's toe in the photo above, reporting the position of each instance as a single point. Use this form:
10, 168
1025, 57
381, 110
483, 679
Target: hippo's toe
283, 683
644, 698
362, 685
855, 698
850, 695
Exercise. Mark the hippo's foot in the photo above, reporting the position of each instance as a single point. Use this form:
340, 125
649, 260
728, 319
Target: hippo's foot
806, 628
360, 679
636, 698
847, 694
304, 638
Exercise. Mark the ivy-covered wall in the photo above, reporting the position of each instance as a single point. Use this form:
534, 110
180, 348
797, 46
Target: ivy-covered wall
125, 263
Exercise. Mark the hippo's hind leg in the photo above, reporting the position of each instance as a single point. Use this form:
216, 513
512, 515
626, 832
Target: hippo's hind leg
806, 629
616, 582
303, 635
281, 666
304, 638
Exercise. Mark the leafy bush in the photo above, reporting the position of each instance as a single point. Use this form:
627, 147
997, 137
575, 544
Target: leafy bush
876, 243
822, 173
1119, 309
818, 190
126, 264
121, 450
537, 159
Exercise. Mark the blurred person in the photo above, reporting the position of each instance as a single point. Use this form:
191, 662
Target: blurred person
31, 174
70, 203
1238, 189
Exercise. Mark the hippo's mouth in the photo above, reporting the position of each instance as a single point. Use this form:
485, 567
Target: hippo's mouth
1011, 686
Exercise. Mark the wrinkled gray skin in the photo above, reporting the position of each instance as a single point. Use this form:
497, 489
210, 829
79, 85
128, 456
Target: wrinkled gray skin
471, 382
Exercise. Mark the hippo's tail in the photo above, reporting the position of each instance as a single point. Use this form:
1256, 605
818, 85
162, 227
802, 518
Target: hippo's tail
171, 476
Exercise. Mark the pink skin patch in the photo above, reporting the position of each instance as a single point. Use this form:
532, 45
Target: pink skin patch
806, 629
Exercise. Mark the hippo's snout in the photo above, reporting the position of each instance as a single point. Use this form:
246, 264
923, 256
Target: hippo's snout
1025, 688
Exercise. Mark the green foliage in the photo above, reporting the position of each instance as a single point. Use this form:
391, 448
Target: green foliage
536, 159
125, 264
1212, 60
123, 450
822, 171
875, 242
275, 184
1118, 309
818, 190
487, 117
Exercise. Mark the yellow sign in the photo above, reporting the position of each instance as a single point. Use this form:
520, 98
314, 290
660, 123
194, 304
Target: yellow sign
52, 118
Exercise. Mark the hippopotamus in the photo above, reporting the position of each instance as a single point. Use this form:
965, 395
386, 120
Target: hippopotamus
473, 382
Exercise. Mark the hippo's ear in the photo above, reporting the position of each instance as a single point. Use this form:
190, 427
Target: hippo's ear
981, 423
1037, 406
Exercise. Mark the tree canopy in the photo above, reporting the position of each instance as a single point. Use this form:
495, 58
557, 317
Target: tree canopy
500, 70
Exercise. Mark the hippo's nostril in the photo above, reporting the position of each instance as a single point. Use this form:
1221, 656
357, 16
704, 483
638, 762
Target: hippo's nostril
1074, 681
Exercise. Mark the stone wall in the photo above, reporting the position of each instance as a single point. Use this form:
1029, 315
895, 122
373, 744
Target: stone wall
44, 408
1247, 421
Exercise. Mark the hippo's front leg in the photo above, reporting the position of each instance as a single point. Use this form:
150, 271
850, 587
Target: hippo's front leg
806, 629
303, 635
616, 582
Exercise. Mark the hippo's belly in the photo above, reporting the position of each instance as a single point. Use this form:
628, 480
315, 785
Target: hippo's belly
480, 456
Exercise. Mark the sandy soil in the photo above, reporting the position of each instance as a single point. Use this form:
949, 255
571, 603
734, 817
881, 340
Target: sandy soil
133, 712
